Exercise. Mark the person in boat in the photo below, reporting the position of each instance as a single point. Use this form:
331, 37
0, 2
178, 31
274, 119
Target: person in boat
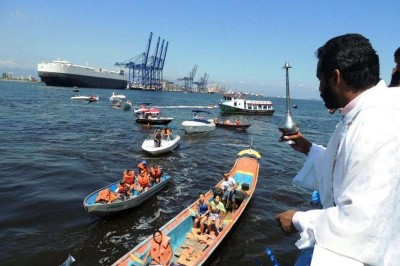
238, 122
155, 173
357, 174
216, 120
142, 166
202, 211
228, 187
123, 190
217, 212
157, 137
129, 178
143, 182
166, 132
160, 250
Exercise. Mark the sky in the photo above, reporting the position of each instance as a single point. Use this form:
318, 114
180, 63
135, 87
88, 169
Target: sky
241, 45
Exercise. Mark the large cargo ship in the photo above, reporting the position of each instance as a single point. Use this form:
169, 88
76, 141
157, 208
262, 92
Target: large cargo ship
63, 73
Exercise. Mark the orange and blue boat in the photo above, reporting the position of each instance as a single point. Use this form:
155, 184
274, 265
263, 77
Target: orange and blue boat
191, 249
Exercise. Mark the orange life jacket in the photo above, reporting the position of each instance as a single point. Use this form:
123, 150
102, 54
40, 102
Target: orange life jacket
143, 179
106, 195
142, 167
155, 172
159, 252
129, 177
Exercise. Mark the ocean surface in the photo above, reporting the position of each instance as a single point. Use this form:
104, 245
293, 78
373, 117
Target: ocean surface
55, 151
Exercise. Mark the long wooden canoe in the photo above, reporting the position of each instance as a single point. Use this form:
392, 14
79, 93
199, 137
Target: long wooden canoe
189, 250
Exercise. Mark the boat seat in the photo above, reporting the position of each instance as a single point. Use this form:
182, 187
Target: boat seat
243, 177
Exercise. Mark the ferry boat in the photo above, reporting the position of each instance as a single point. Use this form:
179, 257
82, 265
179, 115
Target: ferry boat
65, 74
233, 103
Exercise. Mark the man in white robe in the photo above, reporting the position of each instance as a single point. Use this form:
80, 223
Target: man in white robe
358, 174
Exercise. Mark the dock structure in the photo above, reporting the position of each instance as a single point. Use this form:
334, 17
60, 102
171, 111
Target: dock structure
145, 71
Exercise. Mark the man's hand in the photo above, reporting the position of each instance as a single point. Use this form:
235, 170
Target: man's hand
285, 221
301, 144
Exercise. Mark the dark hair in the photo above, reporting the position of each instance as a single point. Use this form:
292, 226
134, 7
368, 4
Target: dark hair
157, 231
397, 52
201, 193
355, 58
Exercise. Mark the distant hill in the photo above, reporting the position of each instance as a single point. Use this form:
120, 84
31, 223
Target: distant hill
17, 72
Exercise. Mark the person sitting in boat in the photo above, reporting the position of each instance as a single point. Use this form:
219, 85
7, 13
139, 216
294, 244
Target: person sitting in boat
160, 250
202, 210
228, 187
142, 166
216, 120
227, 122
217, 212
155, 173
238, 122
143, 182
129, 178
157, 138
123, 190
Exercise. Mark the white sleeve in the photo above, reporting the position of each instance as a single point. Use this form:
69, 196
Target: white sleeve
306, 177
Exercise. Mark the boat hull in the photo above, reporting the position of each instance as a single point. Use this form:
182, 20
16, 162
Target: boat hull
233, 126
237, 110
245, 170
166, 145
102, 209
198, 127
70, 80
154, 121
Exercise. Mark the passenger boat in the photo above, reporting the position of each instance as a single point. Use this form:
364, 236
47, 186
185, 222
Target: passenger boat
168, 144
230, 125
190, 251
117, 97
234, 103
150, 116
103, 209
90, 98
198, 124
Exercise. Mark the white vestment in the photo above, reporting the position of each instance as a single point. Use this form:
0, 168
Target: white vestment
358, 178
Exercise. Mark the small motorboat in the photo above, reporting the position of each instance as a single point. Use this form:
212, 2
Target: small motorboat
75, 89
189, 247
212, 106
127, 105
231, 125
150, 116
198, 124
90, 98
117, 96
103, 209
168, 144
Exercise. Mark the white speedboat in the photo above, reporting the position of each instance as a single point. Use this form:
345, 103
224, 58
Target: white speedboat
90, 98
168, 143
117, 97
198, 124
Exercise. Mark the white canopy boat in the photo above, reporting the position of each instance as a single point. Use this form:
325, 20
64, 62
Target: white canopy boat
198, 124
168, 143
117, 97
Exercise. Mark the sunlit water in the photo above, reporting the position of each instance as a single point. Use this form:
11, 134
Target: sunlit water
55, 151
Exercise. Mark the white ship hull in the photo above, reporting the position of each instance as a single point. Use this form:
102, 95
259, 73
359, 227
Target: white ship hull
65, 74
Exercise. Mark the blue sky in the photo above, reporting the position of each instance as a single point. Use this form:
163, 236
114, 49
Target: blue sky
242, 45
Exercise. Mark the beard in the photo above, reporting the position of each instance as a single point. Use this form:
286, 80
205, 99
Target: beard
329, 98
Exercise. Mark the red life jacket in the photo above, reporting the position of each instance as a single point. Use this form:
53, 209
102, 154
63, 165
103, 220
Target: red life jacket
142, 167
143, 179
129, 177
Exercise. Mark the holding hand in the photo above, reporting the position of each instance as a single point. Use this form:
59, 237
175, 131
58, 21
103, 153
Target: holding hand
301, 144
285, 221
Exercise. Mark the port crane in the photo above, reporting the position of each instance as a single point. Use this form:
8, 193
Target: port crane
202, 83
188, 81
144, 71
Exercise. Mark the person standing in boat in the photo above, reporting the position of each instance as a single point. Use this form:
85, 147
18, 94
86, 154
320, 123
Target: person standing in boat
157, 138
395, 81
357, 174
160, 250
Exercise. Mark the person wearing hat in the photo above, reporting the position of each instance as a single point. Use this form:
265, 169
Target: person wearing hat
395, 81
142, 166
